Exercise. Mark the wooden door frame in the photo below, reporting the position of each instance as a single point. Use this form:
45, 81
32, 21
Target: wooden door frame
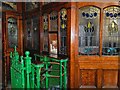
6, 51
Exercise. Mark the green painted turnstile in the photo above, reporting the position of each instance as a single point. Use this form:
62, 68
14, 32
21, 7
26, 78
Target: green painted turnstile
27, 74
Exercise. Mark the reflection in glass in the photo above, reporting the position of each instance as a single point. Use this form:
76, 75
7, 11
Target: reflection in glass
12, 32
63, 31
89, 30
53, 43
111, 31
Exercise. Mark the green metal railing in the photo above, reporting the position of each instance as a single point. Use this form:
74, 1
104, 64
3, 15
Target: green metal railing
25, 74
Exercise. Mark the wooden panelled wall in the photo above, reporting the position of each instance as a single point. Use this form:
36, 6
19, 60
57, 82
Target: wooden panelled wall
91, 71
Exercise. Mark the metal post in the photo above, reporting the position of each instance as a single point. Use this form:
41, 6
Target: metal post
38, 76
22, 72
28, 67
32, 77
61, 75
65, 75
46, 67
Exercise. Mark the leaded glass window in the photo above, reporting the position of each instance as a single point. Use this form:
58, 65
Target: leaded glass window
53, 21
111, 31
63, 31
89, 18
12, 32
45, 29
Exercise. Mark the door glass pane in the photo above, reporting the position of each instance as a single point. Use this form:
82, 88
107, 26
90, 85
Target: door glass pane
53, 21
12, 32
111, 31
89, 18
45, 29
63, 31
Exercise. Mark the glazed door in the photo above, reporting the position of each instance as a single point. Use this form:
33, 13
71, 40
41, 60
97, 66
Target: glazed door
97, 51
12, 36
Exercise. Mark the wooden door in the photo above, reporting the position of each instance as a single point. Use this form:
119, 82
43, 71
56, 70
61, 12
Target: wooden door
97, 46
12, 36
32, 34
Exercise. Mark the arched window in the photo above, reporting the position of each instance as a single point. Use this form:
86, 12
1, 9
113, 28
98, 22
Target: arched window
111, 31
89, 18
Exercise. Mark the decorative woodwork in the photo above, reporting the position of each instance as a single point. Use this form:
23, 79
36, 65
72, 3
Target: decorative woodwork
98, 68
12, 36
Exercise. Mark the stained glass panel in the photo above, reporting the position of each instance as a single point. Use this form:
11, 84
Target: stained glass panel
45, 28
89, 18
63, 31
53, 21
12, 32
111, 31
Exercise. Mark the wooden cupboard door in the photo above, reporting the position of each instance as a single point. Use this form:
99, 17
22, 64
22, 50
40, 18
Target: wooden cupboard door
12, 36
96, 50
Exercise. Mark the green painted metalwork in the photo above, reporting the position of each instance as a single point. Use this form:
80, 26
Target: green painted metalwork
62, 63
17, 70
25, 74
